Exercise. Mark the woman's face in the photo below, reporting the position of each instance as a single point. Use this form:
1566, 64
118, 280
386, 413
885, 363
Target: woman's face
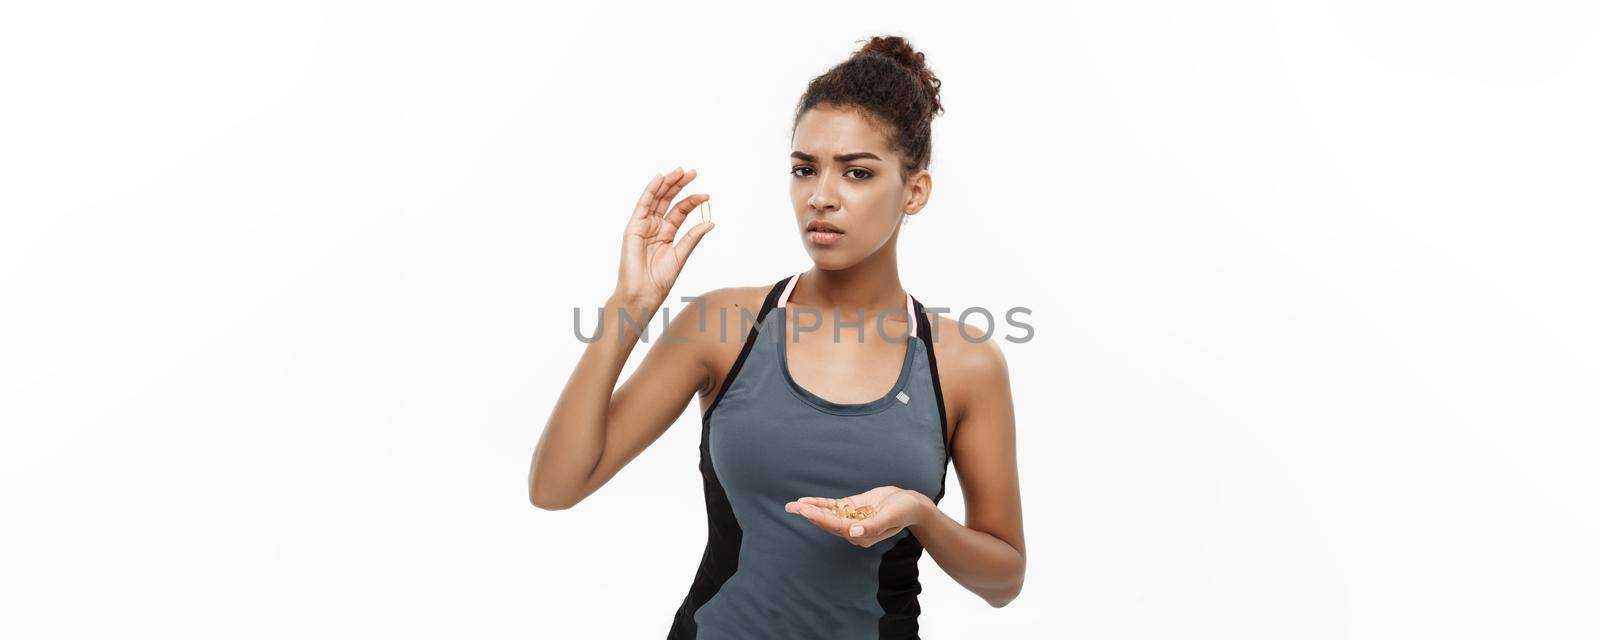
843, 172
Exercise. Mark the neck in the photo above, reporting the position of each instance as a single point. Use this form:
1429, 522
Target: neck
864, 287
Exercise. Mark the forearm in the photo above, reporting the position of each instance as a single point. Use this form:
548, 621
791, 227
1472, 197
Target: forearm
983, 563
574, 438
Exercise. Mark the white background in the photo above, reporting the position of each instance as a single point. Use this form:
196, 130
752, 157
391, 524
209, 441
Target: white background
287, 295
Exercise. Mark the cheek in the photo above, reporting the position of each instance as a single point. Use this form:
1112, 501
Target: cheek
799, 196
878, 204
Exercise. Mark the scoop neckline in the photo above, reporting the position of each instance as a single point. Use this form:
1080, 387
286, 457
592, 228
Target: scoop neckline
841, 408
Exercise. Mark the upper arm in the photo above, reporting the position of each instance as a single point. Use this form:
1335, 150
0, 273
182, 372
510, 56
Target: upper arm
984, 447
654, 396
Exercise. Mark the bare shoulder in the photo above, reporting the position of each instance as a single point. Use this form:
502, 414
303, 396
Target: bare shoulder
714, 323
701, 316
971, 365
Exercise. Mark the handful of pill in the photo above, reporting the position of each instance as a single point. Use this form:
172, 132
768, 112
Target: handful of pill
846, 510
705, 211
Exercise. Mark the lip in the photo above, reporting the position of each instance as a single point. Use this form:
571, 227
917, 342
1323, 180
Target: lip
825, 238
824, 233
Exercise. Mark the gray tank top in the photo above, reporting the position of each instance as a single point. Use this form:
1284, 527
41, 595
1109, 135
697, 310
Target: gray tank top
765, 441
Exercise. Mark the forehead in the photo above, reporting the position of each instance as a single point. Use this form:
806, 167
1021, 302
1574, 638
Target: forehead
828, 129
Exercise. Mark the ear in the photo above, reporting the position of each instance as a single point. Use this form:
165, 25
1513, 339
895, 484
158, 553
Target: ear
917, 190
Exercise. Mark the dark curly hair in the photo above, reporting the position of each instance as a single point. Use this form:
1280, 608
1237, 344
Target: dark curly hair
887, 81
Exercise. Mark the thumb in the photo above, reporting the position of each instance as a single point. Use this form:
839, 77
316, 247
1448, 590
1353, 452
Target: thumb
692, 238
866, 527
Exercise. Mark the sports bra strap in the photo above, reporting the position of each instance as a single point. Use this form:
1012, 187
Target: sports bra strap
911, 309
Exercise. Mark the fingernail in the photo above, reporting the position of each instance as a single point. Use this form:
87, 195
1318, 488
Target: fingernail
855, 531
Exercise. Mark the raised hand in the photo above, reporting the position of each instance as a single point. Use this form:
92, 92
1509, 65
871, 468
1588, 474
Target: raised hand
650, 261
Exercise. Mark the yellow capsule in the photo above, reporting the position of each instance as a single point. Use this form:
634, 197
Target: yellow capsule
705, 211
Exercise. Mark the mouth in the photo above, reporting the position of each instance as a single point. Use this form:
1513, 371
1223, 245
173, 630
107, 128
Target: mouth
824, 235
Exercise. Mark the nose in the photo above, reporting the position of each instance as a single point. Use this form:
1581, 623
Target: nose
824, 197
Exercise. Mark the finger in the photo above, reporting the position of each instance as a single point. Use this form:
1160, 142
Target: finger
863, 528
683, 179
796, 505
674, 218
677, 215
879, 523
647, 200
665, 185
673, 184
832, 523
691, 239
681, 211
871, 536
826, 503
867, 527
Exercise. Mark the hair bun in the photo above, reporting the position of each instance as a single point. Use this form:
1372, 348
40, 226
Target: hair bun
898, 49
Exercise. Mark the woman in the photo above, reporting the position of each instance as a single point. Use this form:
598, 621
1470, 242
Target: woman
821, 488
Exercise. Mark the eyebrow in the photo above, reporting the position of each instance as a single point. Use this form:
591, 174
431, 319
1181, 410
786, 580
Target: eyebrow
843, 157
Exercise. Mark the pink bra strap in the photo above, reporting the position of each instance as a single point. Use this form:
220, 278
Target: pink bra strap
911, 309
784, 299
911, 316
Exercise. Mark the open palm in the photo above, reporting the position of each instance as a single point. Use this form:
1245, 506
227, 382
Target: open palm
650, 262
893, 509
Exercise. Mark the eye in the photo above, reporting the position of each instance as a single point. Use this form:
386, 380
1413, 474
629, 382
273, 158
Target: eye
799, 168
866, 174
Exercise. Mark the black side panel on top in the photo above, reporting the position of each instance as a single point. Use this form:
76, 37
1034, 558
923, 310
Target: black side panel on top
925, 333
898, 587
723, 534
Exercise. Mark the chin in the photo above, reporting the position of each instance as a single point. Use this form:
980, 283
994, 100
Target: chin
829, 261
